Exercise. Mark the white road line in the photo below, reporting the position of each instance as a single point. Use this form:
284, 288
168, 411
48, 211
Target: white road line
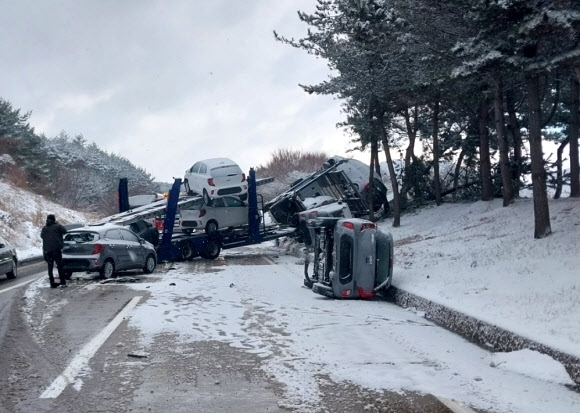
86, 353
454, 406
17, 285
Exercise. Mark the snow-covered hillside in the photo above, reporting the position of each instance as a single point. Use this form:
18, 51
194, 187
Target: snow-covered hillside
22, 215
481, 259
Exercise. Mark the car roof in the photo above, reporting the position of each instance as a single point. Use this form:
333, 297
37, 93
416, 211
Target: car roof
98, 228
213, 162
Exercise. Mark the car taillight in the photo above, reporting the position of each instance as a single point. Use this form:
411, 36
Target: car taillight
210, 182
345, 293
97, 249
313, 214
243, 177
367, 187
365, 294
367, 225
201, 212
348, 225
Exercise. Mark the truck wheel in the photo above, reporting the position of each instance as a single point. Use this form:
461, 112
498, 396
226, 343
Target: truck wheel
12, 274
187, 251
212, 249
211, 226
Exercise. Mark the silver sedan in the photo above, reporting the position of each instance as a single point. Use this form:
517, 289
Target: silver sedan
106, 249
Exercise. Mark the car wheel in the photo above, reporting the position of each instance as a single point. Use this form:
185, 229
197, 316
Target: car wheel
153, 236
244, 197
12, 274
212, 249
206, 198
108, 269
187, 188
187, 251
211, 226
68, 275
150, 264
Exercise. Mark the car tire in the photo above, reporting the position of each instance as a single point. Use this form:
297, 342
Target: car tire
206, 198
187, 251
108, 269
244, 197
212, 249
187, 188
152, 235
68, 275
150, 264
14, 272
211, 226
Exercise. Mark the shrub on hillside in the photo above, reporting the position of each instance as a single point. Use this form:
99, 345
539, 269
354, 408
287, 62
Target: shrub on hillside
286, 166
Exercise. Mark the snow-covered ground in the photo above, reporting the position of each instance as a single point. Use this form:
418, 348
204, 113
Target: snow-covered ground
302, 336
482, 260
478, 258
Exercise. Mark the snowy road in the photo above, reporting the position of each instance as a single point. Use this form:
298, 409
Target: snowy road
241, 334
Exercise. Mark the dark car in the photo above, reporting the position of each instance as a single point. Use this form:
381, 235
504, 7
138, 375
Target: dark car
106, 249
146, 230
358, 172
330, 183
8, 259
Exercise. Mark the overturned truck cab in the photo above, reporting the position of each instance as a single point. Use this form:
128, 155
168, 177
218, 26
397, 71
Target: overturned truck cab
351, 258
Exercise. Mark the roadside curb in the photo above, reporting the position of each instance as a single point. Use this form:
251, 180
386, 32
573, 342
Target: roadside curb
486, 335
31, 260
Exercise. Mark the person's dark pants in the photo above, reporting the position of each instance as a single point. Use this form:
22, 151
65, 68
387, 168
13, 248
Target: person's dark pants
52, 257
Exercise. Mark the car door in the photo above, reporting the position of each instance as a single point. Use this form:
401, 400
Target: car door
135, 250
118, 249
192, 175
216, 211
236, 211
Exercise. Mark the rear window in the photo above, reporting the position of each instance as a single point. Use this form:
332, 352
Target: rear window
80, 237
227, 170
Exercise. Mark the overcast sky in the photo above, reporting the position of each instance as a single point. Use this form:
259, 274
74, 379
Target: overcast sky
167, 83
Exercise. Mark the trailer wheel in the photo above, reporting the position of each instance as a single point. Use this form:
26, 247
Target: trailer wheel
187, 251
206, 197
212, 249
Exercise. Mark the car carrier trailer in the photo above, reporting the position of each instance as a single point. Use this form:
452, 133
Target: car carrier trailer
182, 247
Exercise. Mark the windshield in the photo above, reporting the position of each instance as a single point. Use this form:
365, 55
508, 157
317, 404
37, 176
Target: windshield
80, 237
227, 170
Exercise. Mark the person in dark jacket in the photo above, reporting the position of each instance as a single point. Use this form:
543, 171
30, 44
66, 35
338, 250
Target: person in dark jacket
52, 245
